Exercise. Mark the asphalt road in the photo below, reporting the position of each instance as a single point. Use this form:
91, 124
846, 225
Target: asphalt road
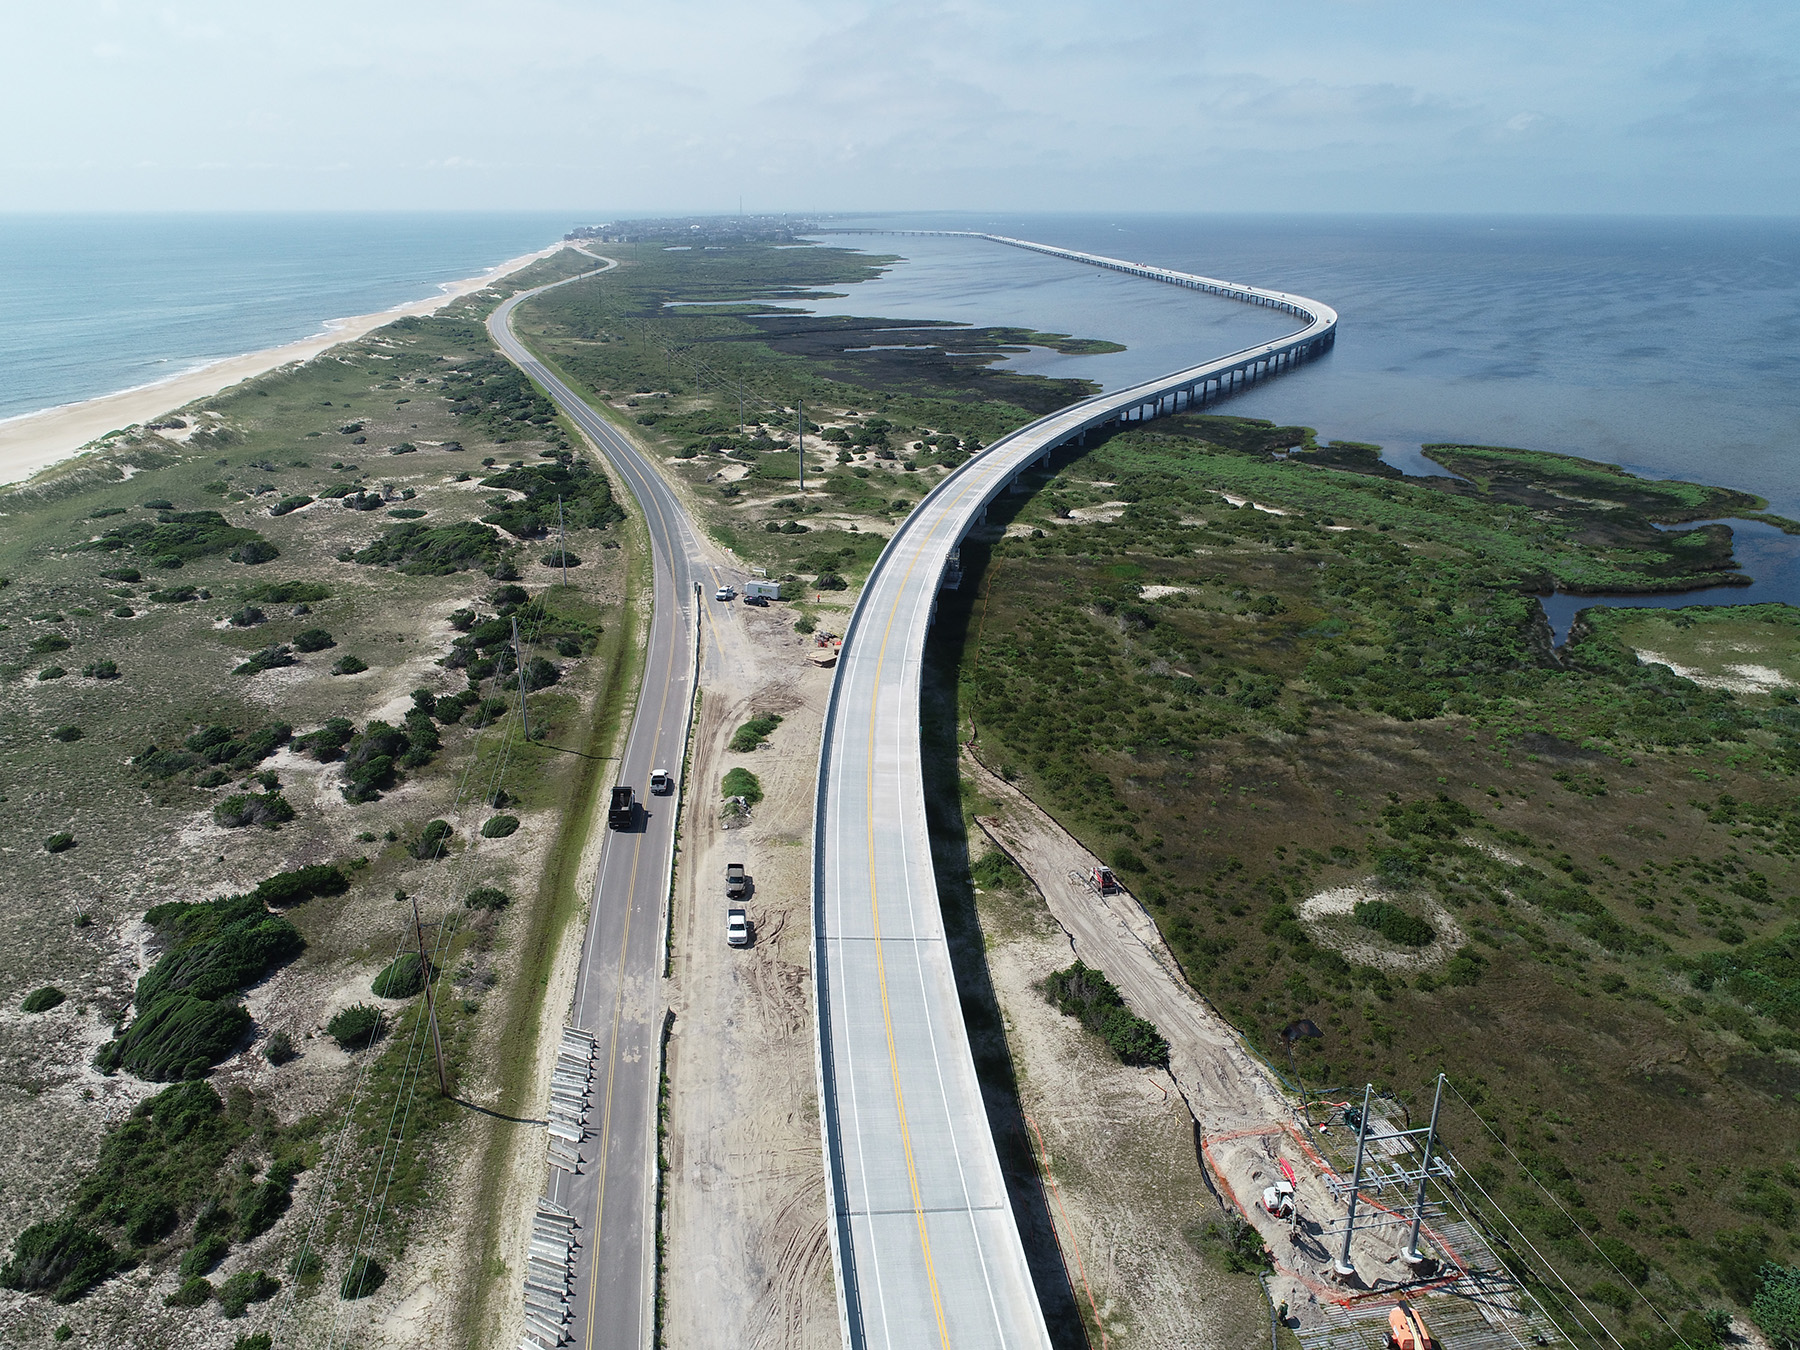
618, 995
923, 1236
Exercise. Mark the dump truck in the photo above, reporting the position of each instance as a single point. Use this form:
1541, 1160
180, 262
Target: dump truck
737, 881
621, 814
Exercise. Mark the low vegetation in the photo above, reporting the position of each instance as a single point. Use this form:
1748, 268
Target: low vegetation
1093, 1000
755, 733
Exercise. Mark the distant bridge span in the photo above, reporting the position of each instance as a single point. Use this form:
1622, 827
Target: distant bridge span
922, 1234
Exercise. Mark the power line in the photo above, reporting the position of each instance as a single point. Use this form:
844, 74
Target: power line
1500, 1139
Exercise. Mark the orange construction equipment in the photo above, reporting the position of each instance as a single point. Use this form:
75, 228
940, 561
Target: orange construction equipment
1406, 1329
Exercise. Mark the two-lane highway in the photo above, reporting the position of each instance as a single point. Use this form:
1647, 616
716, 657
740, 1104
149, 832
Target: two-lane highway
926, 1249
618, 996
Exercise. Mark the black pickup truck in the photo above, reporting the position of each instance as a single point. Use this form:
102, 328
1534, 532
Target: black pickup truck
622, 813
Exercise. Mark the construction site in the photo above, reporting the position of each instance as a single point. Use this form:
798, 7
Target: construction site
1373, 1234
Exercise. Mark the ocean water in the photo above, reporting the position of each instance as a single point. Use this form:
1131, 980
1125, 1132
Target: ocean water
1669, 346
92, 304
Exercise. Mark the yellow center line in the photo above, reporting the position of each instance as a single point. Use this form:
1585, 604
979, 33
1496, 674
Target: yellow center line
887, 1018
619, 992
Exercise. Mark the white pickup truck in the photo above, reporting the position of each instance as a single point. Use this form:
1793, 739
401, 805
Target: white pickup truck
737, 927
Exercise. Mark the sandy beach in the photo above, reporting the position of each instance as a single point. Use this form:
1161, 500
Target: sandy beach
38, 440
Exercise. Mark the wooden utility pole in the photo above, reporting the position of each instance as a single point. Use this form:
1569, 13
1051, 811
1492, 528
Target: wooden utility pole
800, 427
437, 1044
519, 661
562, 541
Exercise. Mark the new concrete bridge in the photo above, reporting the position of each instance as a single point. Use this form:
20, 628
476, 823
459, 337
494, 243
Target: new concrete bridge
925, 1247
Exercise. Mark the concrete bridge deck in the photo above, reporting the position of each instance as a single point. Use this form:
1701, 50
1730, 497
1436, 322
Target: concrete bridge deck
926, 1250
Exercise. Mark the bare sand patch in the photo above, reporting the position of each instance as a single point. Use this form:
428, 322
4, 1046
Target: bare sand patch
1739, 679
1329, 913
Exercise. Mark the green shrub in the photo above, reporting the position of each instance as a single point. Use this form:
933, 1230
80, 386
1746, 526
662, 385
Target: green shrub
288, 504
123, 611
123, 574
1086, 994
180, 1036
44, 999
314, 640
66, 733
49, 642
259, 1207
328, 742
247, 617
60, 842
218, 947
1776, 1306
179, 536
255, 552
279, 1048
192, 1294
540, 674
432, 841
1394, 923
261, 1340
561, 558
174, 595
369, 763
51, 673
303, 883
356, 1027
243, 1289
251, 808
364, 1276
433, 550
204, 1255
403, 977
754, 732
101, 670
64, 1332
487, 897
740, 782
150, 1220
448, 709
159, 504
62, 1257
830, 581
288, 593
273, 657
498, 827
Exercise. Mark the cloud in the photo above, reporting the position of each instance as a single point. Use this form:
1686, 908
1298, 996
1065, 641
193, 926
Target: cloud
1368, 104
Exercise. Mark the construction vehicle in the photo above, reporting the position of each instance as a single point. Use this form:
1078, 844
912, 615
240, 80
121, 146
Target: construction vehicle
1278, 1199
1406, 1329
621, 812
1103, 881
737, 882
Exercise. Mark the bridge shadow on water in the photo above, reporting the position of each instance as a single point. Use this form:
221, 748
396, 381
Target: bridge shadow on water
939, 721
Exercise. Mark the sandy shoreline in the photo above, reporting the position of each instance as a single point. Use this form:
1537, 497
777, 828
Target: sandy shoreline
37, 440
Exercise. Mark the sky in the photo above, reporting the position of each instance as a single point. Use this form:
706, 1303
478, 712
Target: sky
1651, 106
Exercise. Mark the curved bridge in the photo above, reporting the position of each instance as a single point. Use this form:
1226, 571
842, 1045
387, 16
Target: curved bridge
923, 1239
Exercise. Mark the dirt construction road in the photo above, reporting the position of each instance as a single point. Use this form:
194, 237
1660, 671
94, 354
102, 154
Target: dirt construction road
747, 1262
1246, 1121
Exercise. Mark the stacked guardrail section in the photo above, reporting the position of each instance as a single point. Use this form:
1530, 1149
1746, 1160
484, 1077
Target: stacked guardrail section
550, 1259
